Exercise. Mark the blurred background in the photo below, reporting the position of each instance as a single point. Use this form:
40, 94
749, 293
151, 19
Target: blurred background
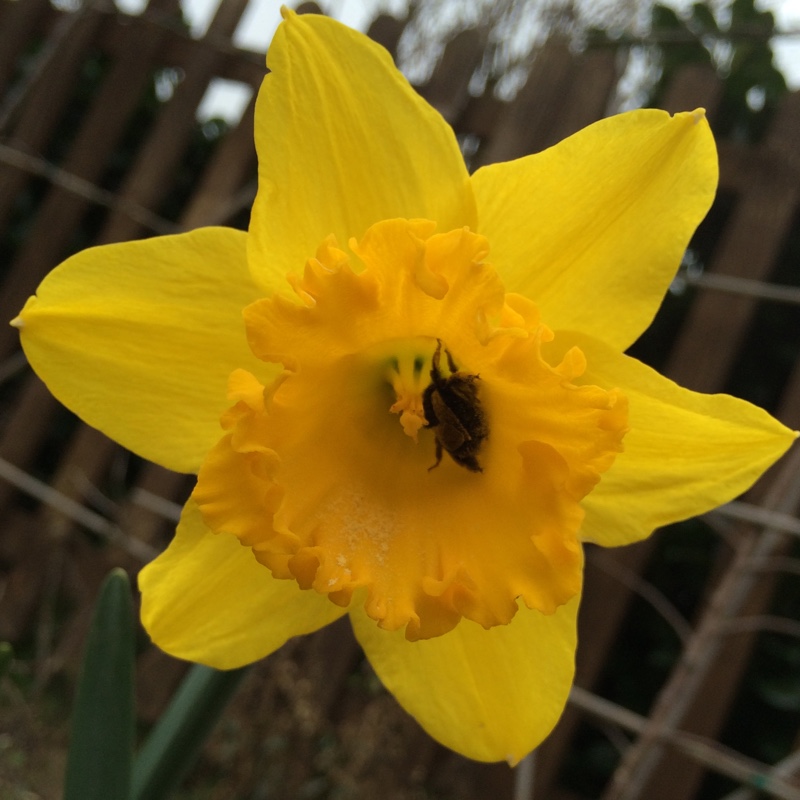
118, 122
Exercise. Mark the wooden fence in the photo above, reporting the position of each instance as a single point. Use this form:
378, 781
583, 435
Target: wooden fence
87, 156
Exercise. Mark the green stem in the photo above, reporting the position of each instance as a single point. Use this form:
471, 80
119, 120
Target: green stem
175, 742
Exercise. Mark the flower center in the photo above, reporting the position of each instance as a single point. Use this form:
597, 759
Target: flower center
407, 376
473, 500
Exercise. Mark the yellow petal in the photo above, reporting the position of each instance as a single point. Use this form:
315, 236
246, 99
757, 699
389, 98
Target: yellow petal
139, 338
343, 141
206, 599
594, 228
490, 695
685, 453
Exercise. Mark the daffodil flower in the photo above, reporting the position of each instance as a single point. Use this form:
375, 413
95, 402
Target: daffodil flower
425, 406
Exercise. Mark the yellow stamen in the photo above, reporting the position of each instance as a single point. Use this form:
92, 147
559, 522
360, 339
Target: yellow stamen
408, 374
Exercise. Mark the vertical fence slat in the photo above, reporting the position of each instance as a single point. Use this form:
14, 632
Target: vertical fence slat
525, 126
149, 177
448, 88
45, 104
229, 182
18, 23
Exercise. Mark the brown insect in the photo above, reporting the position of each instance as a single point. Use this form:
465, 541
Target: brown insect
452, 407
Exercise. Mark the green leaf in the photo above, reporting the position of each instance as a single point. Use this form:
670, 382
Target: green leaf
174, 743
99, 762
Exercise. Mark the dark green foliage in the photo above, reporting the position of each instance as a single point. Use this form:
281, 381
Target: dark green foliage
101, 745
175, 742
